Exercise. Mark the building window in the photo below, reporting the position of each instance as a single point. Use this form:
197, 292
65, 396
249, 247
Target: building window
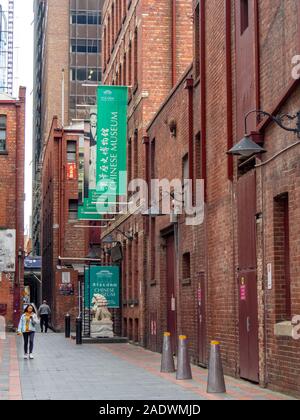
105, 46
129, 162
85, 46
185, 170
186, 266
198, 156
73, 210
244, 15
197, 42
125, 71
3, 128
153, 248
84, 74
130, 64
135, 155
124, 9
281, 229
152, 160
109, 39
119, 13
86, 18
135, 58
71, 151
152, 169
113, 34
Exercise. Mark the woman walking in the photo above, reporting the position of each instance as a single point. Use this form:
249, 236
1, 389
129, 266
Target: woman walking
27, 325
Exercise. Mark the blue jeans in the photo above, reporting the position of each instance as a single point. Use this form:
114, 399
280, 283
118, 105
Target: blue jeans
28, 339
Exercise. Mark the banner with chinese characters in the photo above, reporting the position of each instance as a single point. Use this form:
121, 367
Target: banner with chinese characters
87, 209
71, 171
104, 281
111, 171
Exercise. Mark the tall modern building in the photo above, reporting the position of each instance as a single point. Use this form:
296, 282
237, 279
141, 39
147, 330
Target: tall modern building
6, 46
67, 60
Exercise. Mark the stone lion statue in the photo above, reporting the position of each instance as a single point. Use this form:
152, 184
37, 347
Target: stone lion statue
100, 309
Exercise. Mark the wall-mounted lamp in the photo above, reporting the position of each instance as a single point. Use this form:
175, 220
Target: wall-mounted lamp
109, 240
173, 127
126, 235
247, 147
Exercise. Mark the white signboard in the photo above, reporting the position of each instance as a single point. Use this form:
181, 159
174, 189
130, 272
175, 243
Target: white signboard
66, 278
7, 251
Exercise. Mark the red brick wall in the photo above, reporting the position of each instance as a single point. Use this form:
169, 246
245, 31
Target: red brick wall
154, 82
214, 247
61, 237
280, 176
12, 193
175, 108
279, 361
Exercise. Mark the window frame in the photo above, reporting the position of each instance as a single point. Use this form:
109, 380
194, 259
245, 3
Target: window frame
72, 211
3, 129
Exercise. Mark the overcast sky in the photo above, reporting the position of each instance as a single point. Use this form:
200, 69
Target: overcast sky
23, 62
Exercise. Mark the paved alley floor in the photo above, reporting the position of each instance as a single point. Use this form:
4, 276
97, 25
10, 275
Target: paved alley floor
63, 371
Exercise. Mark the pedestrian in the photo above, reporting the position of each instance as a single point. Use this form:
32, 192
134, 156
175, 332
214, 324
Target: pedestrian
27, 325
44, 312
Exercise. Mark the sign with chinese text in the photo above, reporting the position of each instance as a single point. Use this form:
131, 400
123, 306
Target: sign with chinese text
87, 210
104, 281
71, 171
111, 168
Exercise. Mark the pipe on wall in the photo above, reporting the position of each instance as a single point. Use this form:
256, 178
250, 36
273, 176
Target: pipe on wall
174, 43
229, 104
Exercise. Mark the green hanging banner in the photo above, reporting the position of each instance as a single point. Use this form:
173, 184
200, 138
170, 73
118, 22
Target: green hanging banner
103, 281
111, 171
87, 209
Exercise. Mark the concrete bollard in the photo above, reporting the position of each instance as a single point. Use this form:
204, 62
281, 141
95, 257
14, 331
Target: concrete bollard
167, 359
184, 371
216, 381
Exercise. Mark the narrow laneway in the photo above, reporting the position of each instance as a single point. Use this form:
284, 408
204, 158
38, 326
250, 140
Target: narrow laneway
63, 371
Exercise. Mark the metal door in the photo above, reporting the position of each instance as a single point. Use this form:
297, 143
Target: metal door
247, 279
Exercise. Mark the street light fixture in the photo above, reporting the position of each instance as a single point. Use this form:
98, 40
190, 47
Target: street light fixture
247, 147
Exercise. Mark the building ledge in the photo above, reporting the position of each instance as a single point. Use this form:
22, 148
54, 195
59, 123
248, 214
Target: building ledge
283, 329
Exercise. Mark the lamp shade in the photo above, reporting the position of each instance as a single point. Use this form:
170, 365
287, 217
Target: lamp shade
246, 148
109, 240
92, 254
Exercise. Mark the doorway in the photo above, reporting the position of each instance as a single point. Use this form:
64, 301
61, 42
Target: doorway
247, 279
171, 288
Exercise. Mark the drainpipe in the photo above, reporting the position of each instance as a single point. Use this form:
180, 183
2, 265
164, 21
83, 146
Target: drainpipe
229, 88
174, 44
63, 98
203, 141
146, 221
189, 85
16, 296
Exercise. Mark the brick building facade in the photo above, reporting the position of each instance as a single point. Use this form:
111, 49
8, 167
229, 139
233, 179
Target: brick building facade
175, 275
130, 33
67, 61
246, 252
65, 241
234, 277
12, 146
